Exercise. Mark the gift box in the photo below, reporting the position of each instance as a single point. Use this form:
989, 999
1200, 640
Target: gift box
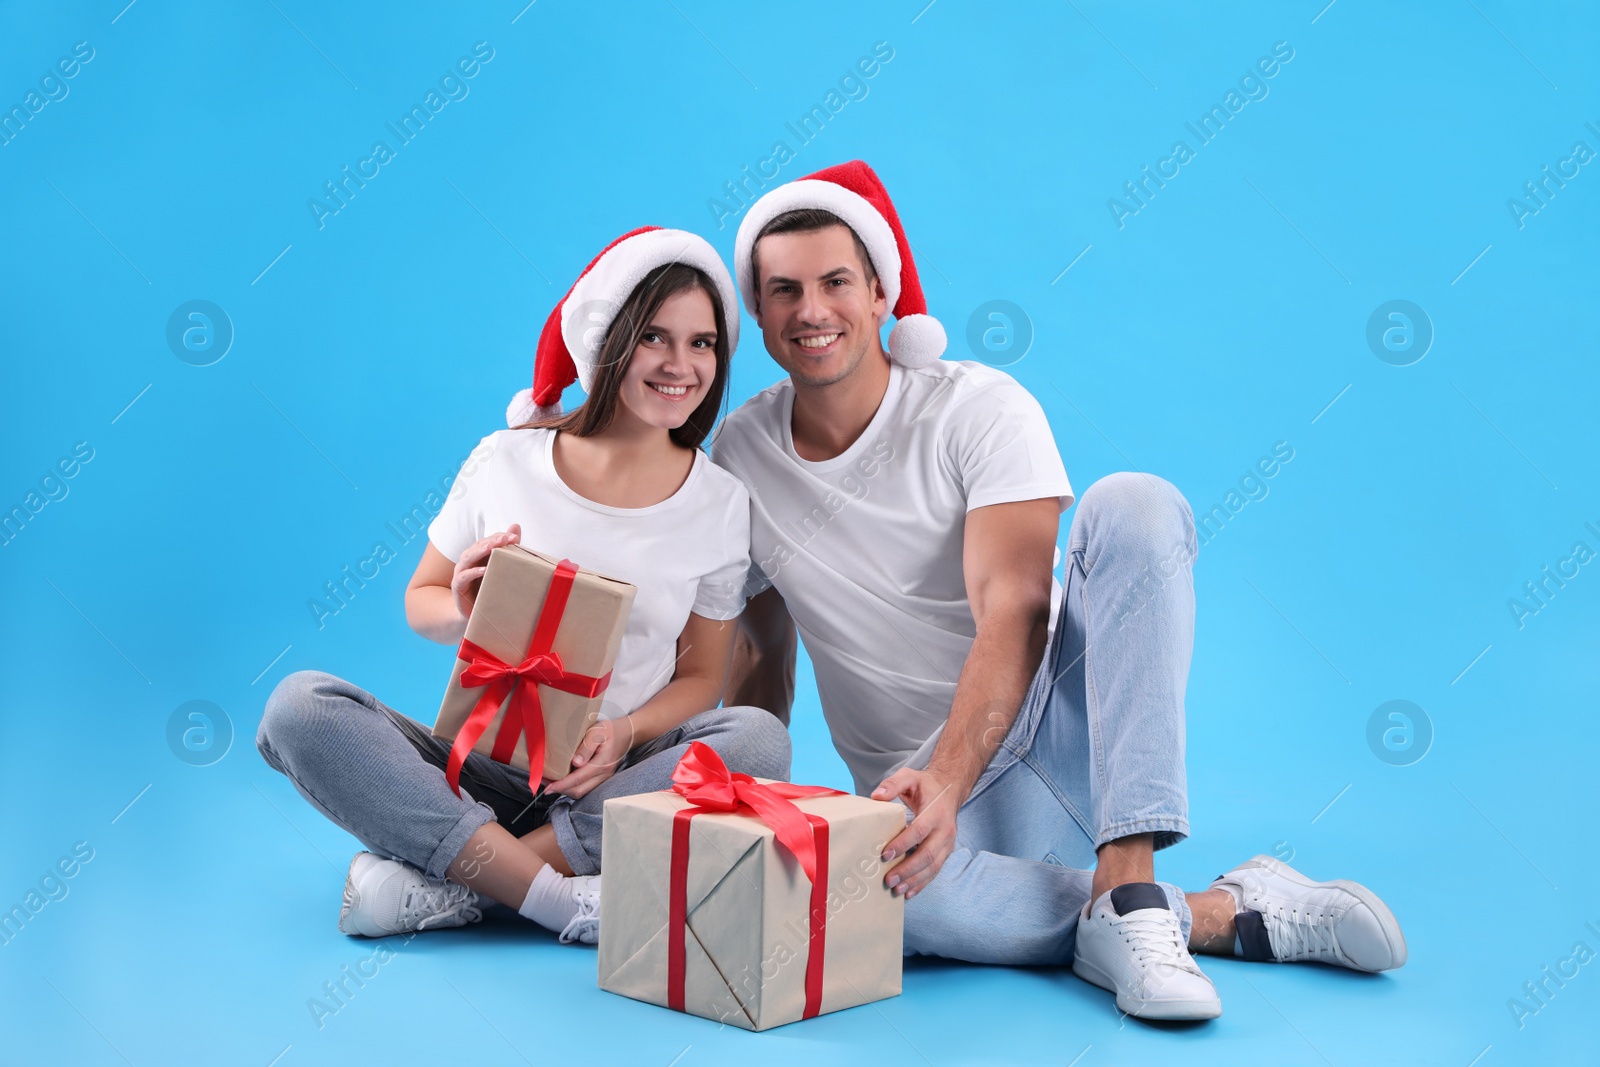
533, 667
746, 901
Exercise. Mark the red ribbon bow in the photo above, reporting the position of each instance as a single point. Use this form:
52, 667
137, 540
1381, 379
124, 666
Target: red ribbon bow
499, 679
705, 781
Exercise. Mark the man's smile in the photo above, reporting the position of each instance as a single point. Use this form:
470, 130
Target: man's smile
818, 342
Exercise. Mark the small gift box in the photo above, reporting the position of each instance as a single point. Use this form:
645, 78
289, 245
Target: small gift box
537, 655
747, 901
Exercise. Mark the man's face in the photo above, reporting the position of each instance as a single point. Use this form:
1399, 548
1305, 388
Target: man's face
818, 311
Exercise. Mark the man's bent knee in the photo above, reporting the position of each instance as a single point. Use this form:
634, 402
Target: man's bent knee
1133, 491
1143, 507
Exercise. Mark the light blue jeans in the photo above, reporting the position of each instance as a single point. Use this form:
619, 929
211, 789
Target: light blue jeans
1096, 752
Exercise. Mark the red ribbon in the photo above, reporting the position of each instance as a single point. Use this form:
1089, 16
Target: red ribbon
524, 713
705, 781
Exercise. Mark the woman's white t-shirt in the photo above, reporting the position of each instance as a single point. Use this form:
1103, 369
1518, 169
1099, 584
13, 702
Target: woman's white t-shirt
690, 552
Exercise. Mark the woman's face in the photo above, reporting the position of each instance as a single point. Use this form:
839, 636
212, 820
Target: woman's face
674, 363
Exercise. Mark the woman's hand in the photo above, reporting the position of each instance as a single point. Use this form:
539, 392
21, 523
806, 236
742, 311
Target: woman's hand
473, 562
599, 755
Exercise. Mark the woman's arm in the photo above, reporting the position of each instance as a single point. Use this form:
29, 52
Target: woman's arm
441, 593
705, 648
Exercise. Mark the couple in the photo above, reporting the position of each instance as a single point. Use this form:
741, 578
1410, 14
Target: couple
898, 510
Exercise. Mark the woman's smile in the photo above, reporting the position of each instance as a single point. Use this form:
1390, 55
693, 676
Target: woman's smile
671, 392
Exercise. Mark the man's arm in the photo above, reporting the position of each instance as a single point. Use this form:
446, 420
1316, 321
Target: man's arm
763, 657
1009, 549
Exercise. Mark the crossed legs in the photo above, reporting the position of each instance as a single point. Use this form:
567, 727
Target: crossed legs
379, 775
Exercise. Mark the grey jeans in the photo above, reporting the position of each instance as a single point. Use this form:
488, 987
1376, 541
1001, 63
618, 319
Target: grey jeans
380, 775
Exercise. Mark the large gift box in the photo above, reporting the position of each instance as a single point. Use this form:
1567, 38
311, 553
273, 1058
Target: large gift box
533, 667
750, 902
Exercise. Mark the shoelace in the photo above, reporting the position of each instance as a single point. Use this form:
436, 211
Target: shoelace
429, 905
1297, 935
587, 922
1156, 941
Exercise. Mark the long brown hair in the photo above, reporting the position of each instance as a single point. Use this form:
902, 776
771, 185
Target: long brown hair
595, 414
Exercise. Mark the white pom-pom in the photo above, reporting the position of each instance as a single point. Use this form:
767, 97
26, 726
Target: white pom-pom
916, 341
522, 409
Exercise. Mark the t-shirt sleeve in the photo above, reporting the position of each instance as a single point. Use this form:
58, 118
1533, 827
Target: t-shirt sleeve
1002, 448
721, 594
756, 581
461, 521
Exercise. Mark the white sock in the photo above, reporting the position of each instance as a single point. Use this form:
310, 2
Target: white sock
549, 902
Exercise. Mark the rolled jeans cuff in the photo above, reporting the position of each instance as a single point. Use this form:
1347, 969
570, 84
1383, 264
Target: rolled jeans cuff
567, 841
1168, 830
1180, 907
456, 840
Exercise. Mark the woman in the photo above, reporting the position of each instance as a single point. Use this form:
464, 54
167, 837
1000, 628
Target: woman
619, 485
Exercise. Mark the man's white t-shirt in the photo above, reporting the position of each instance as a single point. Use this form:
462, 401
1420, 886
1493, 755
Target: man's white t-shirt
688, 553
866, 547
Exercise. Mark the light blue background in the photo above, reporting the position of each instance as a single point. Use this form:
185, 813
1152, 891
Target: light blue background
1224, 317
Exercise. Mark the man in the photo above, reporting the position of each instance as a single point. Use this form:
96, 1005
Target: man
904, 514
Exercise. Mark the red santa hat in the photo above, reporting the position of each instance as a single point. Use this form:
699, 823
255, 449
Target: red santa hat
855, 194
569, 345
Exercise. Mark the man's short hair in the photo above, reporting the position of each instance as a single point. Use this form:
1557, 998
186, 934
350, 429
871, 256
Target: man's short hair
805, 220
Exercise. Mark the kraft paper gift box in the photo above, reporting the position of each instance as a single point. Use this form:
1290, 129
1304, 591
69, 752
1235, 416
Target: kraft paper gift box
747, 931
533, 666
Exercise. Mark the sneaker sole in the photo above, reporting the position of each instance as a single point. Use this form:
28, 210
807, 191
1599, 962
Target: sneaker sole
1386, 920
1160, 1010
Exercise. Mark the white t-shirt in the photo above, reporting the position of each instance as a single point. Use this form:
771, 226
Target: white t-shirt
688, 553
866, 547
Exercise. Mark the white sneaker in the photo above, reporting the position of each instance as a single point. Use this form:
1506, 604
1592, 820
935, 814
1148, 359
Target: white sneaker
1285, 917
1129, 942
584, 927
383, 897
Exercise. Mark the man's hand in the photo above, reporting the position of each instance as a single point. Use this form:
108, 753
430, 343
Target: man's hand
599, 754
927, 842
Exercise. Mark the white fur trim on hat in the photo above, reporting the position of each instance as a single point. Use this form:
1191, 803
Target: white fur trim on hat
596, 297
917, 340
857, 213
523, 410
